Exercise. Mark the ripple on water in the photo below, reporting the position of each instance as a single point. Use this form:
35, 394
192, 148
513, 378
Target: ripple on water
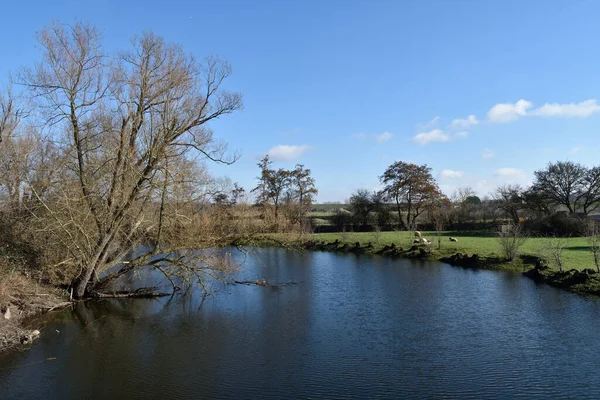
356, 327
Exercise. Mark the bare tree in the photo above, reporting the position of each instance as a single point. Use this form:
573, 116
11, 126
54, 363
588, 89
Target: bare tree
511, 239
27, 163
439, 216
489, 210
537, 203
510, 200
467, 205
593, 239
462, 194
589, 196
10, 114
561, 182
552, 249
128, 126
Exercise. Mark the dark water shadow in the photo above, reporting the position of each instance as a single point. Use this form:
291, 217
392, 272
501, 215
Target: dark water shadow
579, 248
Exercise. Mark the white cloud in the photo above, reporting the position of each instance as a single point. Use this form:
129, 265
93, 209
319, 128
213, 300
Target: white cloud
451, 174
569, 110
360, 135
488, 154
384, 137
436, 135
485, 183
286, 152
464, 123
429, 124
509, 172
462, 134
506, 112
434, 120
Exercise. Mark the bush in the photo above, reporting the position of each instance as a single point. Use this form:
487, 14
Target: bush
558, 224
552, 250
511, 240
342, 220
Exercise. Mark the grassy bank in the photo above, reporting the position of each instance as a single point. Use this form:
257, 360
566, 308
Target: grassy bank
576, 253
475, 250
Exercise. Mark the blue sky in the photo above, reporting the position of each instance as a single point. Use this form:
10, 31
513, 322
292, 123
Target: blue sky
484, 92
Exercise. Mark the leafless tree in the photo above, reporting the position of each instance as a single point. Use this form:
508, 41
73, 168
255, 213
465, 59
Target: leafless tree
593, 239
462, 193
561, 183
10, 114
439, 216
131, 129
510, 200
589, 195
489, 210
27, 164
552, 250
466, 205
511, 239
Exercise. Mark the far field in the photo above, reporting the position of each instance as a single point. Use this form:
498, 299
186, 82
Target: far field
576, 253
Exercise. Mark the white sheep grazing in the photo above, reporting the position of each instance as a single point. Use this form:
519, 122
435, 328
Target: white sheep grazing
452, 239
418, 234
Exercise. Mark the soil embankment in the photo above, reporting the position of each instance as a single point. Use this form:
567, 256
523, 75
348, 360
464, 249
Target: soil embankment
21, 298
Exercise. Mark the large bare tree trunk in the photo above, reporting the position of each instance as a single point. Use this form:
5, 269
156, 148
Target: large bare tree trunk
122, 121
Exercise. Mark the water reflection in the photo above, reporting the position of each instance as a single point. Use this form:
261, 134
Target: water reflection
354, 327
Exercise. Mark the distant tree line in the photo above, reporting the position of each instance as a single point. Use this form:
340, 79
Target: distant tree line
561, 198
285, 196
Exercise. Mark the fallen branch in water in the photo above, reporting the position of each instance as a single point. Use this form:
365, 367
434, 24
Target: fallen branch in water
258, 282
60, 305
264, 282
140, 293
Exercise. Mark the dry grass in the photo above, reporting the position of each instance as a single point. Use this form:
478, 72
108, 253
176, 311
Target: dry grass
24, 298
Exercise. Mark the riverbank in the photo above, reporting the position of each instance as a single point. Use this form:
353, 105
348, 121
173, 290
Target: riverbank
474, 250
21, 299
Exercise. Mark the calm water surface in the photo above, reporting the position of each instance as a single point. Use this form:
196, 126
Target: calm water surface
353, 327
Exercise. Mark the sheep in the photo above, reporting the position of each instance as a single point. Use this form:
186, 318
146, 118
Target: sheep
418, 234
452, 239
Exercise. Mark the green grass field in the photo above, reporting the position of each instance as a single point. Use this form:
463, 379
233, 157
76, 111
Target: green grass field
576, 253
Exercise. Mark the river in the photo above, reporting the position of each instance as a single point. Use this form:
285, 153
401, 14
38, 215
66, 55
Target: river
336, 326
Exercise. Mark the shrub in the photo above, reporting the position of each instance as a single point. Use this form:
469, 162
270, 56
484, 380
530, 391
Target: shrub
558, 224
552, 250
511, 240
